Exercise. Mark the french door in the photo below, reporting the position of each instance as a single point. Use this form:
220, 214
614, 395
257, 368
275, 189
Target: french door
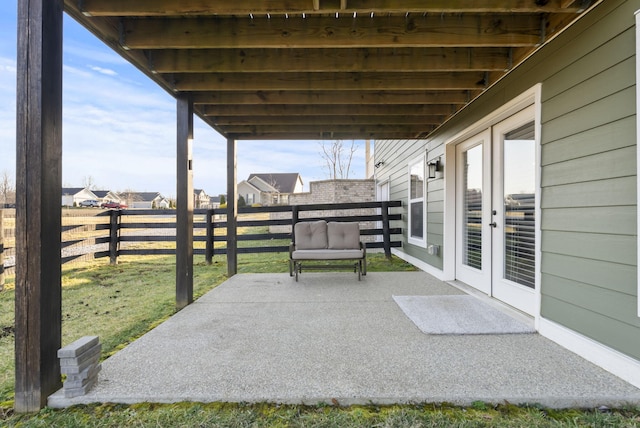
495, 211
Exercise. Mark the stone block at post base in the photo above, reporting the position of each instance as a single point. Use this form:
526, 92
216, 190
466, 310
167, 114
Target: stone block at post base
80, 362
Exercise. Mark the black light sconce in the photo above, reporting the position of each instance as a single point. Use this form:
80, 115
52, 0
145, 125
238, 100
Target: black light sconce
379, 164
434, 167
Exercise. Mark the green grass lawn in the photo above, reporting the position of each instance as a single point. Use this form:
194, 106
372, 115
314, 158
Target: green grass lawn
124, 301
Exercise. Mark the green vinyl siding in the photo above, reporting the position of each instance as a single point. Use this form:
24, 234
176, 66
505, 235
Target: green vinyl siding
617, 277
603, 166
619, 335
613, 220
610, 109
619, 249
596, 299
602, 193
396, 155
589, 207
614, 135
588, 173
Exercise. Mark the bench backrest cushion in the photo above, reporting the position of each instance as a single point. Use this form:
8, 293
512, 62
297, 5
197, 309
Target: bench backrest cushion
310, 235
343, 235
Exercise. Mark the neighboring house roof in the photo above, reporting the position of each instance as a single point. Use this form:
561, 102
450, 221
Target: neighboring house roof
214, 199
282, 182
105, 193
262, 185
101, 193
143, 196
199, 191
250, 185
72, 190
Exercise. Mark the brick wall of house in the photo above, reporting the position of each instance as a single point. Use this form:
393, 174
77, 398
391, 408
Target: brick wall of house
330, 192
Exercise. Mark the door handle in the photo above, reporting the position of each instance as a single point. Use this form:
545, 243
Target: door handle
494, 224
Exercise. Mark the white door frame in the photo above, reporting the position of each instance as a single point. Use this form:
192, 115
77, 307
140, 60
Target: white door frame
479, 278
510, 292
524, 100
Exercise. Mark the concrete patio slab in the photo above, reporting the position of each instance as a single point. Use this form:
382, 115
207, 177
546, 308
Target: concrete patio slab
330, 338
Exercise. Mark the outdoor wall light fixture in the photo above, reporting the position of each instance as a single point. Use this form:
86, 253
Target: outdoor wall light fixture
379, 164
434, 167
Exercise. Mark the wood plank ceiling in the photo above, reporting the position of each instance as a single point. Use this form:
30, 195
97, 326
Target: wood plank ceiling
333, 69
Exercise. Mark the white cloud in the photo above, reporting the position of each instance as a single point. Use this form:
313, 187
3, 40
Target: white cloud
106, 71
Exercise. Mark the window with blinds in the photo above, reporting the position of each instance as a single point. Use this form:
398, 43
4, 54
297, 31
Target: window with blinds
519, 205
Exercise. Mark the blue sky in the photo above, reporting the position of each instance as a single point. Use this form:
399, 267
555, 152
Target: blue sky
119, 127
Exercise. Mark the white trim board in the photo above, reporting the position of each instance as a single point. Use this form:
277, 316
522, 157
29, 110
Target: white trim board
626, 368
423, 266
637, 16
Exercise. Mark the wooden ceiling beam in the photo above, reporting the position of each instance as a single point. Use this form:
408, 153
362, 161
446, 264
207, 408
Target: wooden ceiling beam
327, 110
298, 7
327, 81
325, 129
329, 135
297, 98
353, 119
322, 60
323, 32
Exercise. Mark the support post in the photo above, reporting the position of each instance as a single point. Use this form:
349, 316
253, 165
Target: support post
209, 242
232, 208
386, 230
114, 236
1, 250
184, 203
38, 295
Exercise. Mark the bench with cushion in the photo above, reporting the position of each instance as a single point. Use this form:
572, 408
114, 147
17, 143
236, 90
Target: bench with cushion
319, 241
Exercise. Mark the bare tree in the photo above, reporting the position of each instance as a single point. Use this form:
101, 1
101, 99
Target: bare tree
7, 191
337, 159
87, 182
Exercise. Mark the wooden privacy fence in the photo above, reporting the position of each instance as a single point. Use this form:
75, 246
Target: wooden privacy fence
89, 233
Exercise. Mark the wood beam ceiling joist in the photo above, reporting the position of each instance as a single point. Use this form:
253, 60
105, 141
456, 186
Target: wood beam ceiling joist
355, 135
329, 60
327, 110
310, 69
322, 32
321, 129
353, 119
328, 81
334, 97
299, 7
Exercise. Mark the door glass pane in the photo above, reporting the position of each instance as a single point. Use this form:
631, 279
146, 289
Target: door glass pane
472, 221
519, 205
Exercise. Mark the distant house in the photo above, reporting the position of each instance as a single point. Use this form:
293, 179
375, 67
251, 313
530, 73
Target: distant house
214, 202
72, 196
270, 189
105, 196
200, 199
145, 200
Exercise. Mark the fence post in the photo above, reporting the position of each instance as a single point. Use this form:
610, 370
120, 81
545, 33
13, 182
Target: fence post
386, 232
294, 220
208, 252
114, 236
1, 250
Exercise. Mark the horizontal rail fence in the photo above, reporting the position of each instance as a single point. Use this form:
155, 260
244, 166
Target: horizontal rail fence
89, 234
81, 237
262, 229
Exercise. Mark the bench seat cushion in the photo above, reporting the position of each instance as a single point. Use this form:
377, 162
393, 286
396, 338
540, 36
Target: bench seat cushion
311, 235
343, 235
327, 254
